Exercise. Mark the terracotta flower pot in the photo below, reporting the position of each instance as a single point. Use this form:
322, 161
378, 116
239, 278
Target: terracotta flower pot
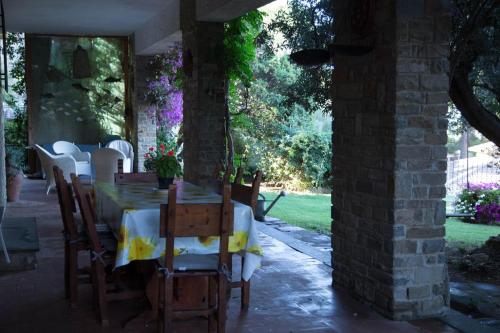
14, 185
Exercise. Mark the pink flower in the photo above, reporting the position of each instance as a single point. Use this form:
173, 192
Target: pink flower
151, 148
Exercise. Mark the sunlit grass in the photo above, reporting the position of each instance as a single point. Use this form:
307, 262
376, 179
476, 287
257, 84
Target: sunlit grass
312, 211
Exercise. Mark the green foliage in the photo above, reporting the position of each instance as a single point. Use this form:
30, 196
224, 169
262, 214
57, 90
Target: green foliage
14, 158
106, 100
16, 54
277, 138
310, 154
16, 130
239, 45
305, 24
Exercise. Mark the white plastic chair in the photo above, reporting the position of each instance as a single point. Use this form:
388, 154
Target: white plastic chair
128, 150
67, 163
2, 241
105, 161
83, 166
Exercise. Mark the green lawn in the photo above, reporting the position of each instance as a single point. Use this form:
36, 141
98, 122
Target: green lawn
309, 211
312, 211
468, 234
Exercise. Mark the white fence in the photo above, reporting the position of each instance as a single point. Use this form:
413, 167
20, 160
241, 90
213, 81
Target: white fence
474, 170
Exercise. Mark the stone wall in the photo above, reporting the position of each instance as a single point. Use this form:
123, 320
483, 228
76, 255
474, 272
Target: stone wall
204, 94
144, 133
389, 162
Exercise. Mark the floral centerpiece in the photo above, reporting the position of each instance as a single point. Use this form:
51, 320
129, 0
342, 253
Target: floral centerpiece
164, 163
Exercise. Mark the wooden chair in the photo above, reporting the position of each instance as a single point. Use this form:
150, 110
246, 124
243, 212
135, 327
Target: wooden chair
196, 220
80, 192
102, 260
74, 240
247, 195
217, 182
134, 177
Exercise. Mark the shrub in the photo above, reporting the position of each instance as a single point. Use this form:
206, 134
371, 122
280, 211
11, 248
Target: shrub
481, 200
310, 154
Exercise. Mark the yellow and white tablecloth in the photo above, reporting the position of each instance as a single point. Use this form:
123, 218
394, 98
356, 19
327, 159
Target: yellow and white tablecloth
133, 213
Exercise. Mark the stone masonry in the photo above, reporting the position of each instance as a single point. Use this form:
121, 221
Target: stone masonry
204, 94
144, 133
389, 136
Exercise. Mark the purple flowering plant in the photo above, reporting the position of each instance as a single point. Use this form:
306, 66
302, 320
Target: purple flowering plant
488, 214
164, 89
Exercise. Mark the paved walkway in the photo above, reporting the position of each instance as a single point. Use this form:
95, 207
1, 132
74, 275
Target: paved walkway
291, 292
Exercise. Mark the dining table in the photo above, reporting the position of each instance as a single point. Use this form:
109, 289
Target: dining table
132, 211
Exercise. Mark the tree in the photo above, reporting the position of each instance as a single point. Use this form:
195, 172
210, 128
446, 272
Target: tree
474, 57
475, 64
239, 54
306, 24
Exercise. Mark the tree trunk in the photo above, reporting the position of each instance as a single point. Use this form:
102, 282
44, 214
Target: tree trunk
478, 116
464, 146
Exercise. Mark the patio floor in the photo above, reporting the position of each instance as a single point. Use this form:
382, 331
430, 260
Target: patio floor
290, 293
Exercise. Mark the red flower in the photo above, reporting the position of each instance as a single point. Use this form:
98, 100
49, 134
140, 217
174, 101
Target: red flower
170, 153
151, 148
162, 147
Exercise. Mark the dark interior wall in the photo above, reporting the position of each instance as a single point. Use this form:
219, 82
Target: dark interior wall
64, 105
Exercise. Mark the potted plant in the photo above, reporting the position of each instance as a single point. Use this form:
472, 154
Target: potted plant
14, 173
164, 163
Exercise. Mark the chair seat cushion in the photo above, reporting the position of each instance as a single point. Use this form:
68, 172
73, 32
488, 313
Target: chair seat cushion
193, 262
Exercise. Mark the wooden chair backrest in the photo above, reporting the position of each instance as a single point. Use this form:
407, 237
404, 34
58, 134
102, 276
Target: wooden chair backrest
80, 193
239, 176
89, 215
196, 220
247, 195
138, 177
66, 203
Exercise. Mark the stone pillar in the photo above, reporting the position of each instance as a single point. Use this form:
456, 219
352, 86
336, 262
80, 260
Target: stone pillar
3, 182
389, 161
204, 94
144, 130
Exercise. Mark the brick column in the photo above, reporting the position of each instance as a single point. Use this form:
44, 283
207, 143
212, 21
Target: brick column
144, 130
389, 161
204, 94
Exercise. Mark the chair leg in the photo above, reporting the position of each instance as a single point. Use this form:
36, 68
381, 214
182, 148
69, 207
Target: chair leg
168, 301
245, 289
66, 270
48, 189
222, 306
4, 247
101, 294
212, 302
73, 275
